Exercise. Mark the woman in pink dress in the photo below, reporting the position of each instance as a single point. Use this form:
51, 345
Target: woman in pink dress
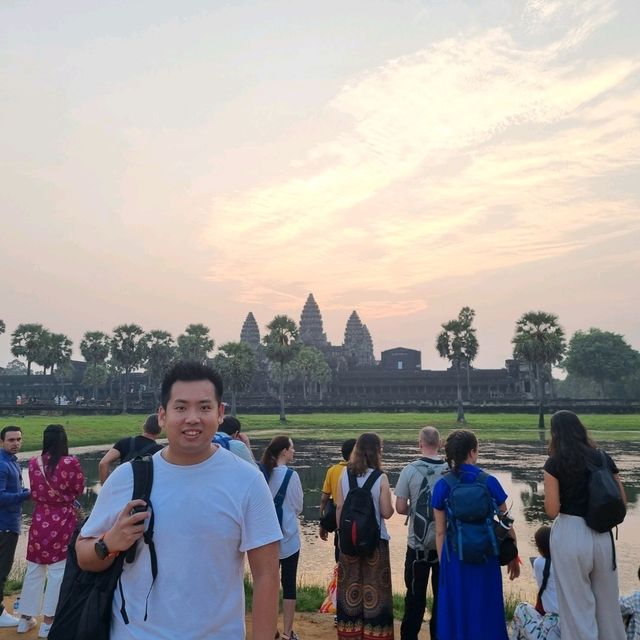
56, 482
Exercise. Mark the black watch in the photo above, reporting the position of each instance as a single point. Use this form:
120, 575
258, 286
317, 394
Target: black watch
102, 551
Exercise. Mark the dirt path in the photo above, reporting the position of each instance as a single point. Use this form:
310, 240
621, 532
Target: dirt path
308, 626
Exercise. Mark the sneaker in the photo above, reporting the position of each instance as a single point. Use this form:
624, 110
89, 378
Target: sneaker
7, 620
44, 630
26, 624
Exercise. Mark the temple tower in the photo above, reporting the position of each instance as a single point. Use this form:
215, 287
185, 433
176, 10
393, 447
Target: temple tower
358, 346
250, 332
311, 328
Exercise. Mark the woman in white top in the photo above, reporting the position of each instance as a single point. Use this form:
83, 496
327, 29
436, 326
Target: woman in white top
283, 480
539, 622
364, 598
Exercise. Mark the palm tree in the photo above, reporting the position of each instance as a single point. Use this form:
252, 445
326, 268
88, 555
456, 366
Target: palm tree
457, 343
539, 341
312, 367
160, 351
281, 347
94, 348
26, 342
236, 363
195, 343
3, 327
127, 353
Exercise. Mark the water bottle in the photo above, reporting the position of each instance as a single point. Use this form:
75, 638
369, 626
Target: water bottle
16, 606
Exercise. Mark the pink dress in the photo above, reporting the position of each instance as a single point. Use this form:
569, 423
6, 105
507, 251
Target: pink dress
54, 518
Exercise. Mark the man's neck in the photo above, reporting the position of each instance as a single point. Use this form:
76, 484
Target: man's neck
429, 453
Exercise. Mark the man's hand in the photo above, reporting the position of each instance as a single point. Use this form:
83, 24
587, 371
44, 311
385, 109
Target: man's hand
128, 528
513, 568
324, 534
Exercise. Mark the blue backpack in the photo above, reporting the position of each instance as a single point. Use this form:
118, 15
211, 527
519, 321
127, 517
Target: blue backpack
470, 526
222, 439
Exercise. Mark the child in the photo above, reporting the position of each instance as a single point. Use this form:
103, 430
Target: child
630, 608
539, 622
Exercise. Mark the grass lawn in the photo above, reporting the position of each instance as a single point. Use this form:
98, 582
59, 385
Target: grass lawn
94, 430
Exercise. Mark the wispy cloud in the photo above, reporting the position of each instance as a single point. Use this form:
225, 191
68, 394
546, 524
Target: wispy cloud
473, 154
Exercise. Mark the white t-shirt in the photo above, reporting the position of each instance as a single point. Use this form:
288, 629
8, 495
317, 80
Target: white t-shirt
291, 509
242, 451
375, 492
549, 595
206, 516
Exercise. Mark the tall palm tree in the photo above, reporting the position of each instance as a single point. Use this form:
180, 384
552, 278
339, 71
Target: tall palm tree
281, 347
195, 343
94, 348
127, 353
457, 342
539, 340
27, 341
236, 363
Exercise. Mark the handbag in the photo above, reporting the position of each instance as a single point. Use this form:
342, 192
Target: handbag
328, 519
77, 507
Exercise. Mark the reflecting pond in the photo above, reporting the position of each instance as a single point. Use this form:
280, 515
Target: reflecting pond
518, 466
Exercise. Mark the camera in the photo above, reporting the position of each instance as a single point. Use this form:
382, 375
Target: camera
502, 526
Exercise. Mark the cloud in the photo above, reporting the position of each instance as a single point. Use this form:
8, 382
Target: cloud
473, 154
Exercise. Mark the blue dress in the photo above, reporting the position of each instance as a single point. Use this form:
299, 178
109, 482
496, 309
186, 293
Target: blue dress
470, 602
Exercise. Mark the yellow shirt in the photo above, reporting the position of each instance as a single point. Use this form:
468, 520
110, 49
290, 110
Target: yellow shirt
332, 478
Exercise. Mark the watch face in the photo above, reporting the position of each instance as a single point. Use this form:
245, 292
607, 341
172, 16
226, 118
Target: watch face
101, 549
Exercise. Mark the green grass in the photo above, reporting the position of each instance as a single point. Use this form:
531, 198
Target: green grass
97, 430
16, 577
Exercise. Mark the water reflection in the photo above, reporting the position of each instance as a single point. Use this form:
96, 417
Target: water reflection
518, 466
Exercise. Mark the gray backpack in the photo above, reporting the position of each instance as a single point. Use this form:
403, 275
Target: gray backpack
424, 526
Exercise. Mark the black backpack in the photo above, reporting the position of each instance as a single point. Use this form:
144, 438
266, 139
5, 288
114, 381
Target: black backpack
424, 529
359, 531
84, 605
605, 506
146, 449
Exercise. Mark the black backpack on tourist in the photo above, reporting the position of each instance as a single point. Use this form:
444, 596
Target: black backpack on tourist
605, 506
359, 531
84, 605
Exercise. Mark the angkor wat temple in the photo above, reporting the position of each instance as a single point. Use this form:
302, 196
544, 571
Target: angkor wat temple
398, 378
358, 380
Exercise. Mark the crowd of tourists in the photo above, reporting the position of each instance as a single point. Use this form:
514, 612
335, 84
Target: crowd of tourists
168, 536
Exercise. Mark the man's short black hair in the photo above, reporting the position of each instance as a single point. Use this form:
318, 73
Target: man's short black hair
189, 371
347, 448
230, 425
151, 425
8, 428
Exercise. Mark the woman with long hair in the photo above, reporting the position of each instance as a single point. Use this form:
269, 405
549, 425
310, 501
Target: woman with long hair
470, 602
56, 482
364, 597
274, 464
584, 559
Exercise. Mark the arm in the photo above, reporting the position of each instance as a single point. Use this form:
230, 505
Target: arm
386, 506
126, 530
339, 502
551, 495
8, 498
402, 505
263, 562
109, 458
440, 518
324, 501
622, 491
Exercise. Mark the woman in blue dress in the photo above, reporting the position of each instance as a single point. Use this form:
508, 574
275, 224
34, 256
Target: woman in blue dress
470, 602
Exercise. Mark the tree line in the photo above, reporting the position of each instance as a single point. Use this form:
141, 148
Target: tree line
594, 359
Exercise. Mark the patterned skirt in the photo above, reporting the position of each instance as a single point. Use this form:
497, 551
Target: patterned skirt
364, 601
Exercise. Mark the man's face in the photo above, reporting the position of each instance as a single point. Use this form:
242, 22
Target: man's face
190, 421
12, 442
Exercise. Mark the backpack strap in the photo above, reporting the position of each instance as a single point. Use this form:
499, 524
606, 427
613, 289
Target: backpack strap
282, 491
371, 480
141, 453
142, 484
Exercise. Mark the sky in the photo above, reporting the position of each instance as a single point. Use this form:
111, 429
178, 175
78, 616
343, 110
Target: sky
169, 163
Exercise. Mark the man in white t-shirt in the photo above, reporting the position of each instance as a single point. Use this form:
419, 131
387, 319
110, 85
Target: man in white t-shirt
209, 508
